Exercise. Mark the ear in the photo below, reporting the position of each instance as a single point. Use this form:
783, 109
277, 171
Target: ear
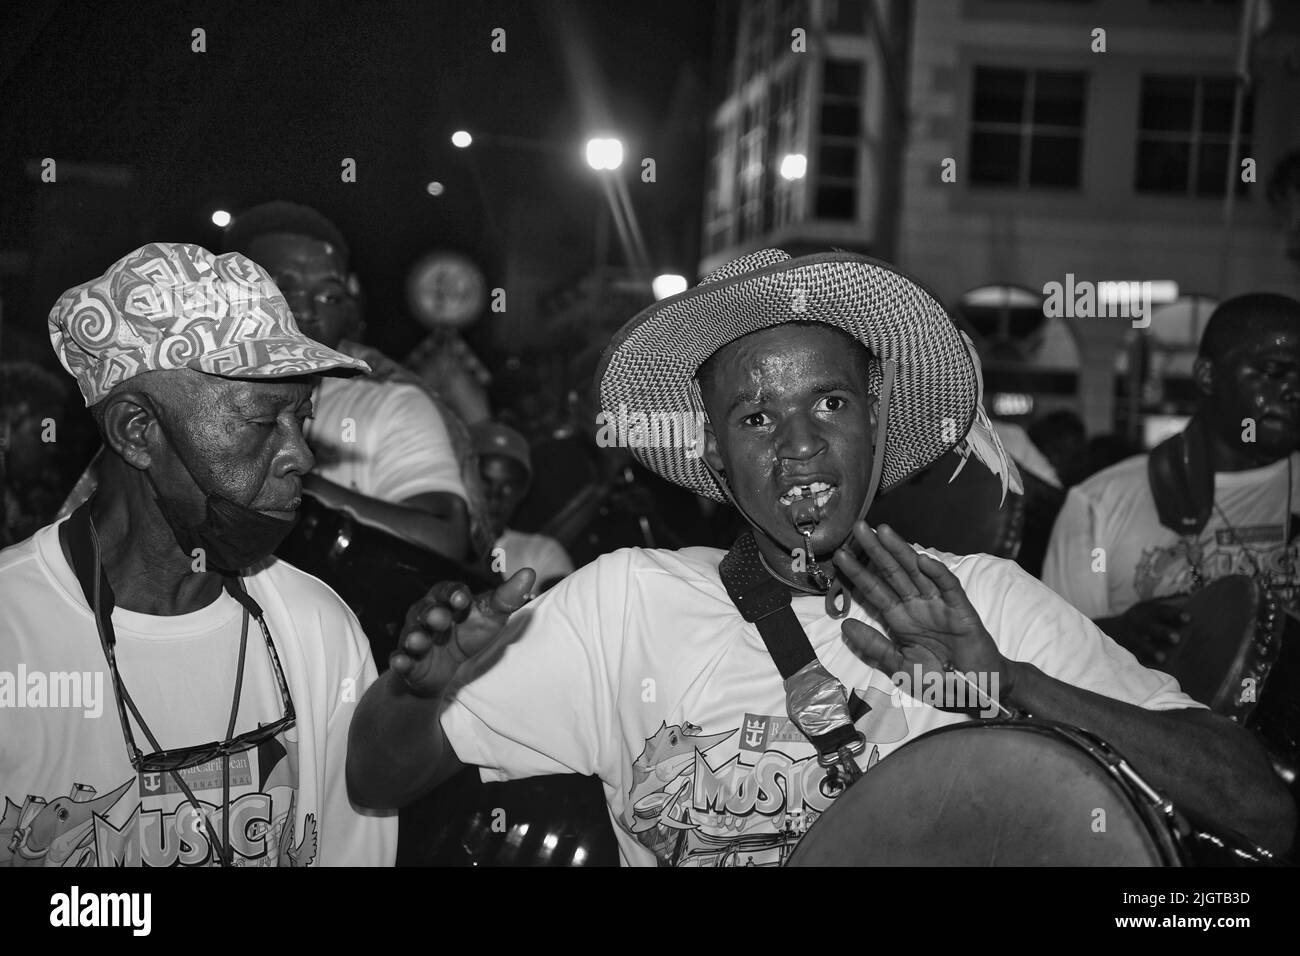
127, 420
1203, 376
873, 413
711, 453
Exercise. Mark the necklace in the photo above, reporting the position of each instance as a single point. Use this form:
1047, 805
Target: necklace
1192, 541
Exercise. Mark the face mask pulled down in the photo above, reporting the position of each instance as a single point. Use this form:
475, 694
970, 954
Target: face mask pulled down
230, 536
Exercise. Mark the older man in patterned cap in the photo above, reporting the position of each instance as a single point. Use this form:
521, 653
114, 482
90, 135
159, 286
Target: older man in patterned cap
152, 725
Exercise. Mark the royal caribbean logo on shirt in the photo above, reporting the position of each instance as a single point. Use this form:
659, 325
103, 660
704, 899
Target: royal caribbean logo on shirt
150, 821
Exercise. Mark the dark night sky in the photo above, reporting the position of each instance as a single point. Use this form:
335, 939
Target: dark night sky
286, 91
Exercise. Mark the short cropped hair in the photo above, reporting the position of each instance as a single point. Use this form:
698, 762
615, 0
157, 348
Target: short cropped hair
1242, 318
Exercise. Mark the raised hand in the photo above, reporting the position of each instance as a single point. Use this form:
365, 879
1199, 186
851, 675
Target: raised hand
449, 625
931, 622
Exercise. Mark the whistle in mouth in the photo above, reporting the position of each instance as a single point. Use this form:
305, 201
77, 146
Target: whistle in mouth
805, 515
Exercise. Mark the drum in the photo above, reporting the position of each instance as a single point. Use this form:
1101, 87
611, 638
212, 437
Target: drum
995, 793
1227, 650
960, 515
378, 575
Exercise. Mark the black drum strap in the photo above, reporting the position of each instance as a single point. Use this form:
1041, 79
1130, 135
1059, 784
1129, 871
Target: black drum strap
765, 602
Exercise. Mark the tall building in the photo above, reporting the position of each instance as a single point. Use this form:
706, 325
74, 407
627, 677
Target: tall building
1046, 141
806, 137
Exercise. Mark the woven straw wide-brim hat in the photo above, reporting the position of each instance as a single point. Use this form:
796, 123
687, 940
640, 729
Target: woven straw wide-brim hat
647, 373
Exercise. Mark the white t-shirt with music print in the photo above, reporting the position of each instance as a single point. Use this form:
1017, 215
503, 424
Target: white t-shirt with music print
69, 793
639, 669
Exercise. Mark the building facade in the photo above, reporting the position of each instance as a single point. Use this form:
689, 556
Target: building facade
1044, 141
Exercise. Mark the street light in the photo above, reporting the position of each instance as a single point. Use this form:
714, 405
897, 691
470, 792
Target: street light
221, 218
667, 284
604, 153
460, 139
793, 166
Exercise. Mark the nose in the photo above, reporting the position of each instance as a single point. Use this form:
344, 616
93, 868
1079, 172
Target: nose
296, 456
798, 438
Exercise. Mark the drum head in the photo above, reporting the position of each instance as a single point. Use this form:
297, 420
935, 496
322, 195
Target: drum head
988, 794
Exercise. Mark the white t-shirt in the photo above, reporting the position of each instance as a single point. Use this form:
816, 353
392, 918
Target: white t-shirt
639, 669
1115, 511
71, 796
541, 552
385, 440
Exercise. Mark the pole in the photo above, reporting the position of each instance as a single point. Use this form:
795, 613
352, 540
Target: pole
1233, 170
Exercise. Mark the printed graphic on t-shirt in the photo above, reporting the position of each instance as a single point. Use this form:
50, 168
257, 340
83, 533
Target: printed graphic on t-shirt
1252, 550
149, 821
691, 807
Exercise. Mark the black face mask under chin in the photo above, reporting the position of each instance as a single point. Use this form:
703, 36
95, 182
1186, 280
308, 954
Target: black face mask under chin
230, 536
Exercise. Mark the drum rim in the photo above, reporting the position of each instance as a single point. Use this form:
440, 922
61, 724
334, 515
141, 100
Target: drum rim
1170, 846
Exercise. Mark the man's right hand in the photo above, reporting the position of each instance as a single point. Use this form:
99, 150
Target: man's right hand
1148, 629
449, 625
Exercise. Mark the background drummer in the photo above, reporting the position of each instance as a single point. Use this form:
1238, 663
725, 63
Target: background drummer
1110, 555
640, 669
383, 452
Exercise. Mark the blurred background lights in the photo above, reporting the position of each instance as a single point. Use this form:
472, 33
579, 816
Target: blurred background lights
1012, 403
793, 166
604, 153
668, 284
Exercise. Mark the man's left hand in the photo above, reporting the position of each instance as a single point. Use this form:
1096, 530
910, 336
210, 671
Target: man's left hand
930, 620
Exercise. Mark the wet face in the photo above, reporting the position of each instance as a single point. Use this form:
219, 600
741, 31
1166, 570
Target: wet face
505, 483
313, 277
791, 429
1259, 380
241, 439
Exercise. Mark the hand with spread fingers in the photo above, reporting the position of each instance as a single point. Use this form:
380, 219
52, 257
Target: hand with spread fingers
449, 625
929, 619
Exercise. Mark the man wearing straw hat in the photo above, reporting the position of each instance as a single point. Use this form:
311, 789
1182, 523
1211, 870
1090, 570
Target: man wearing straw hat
725, 700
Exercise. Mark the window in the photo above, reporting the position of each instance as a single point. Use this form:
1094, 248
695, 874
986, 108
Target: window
1027, 128
1184, 133
721, 198
847, 16
838, 143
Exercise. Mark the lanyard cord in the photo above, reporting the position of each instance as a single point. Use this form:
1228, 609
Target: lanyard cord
1198, 576
220, 846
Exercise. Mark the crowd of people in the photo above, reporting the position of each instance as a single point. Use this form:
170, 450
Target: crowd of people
732, 620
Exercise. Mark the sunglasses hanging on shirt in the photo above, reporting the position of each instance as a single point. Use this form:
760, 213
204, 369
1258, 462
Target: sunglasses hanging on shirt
87, 565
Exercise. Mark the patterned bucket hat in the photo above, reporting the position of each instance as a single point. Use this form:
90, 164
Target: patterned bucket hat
647, 372
170, 305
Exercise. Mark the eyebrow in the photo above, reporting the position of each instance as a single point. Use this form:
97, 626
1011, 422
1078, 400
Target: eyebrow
766, 395
260, 404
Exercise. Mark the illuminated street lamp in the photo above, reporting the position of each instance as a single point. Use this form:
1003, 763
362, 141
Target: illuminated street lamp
604, 153
793, 166
667, 284
220, 218
460, 139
